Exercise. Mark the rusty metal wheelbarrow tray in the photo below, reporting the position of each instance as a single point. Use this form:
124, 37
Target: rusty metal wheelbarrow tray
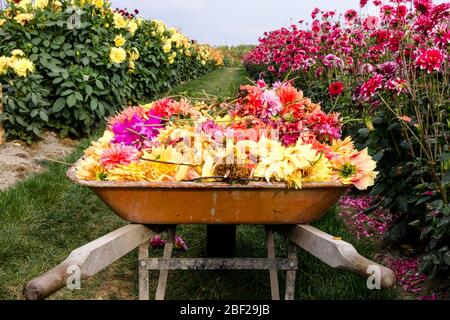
214, 203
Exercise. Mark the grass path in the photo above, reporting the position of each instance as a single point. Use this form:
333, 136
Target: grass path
45, 217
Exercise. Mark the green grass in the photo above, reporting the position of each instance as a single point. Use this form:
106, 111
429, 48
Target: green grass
221, 83
45, 217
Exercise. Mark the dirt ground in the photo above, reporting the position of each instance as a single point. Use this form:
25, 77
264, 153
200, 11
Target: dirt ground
18, 160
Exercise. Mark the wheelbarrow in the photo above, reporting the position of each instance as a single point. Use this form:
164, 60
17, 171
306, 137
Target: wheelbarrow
153, 207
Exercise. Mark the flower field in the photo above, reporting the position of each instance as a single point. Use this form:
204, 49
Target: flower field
68, 67
388, 76
352, 103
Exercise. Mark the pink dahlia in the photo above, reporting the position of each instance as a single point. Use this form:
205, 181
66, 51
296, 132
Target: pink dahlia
350, 15
369, 87
271, 105
118, 154
157, 242
423, 6
371, 22
180, 243
137, 131
398, 85
429, 59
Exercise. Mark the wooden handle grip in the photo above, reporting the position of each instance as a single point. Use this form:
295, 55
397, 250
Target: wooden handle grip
47, 283
366, 268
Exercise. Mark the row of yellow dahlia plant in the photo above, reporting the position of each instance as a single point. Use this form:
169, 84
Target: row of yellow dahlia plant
170, 140
81, 61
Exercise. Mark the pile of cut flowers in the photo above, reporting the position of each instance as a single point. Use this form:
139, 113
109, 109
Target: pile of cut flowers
268, 133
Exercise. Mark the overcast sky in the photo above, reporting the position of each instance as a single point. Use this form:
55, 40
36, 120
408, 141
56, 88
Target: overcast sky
231, 22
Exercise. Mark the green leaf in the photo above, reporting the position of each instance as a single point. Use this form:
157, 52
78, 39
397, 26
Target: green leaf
34, 99
79, 96
446, 258
43, 115
66, 92
59, 105
58, 80
85, 61
446, 178
89, 90
94, 104
379, 188
99, 85
71, 100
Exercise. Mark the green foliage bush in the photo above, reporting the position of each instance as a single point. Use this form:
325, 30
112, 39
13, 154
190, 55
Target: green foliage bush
233, 55
75, 84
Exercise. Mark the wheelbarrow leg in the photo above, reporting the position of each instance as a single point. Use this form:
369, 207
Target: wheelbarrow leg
143, 273
163, 275
274, 287
290, 274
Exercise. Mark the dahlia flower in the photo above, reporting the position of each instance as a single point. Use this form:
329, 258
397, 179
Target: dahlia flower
320, 171
369, 87
136, 131
89, 169
430, 59
281, 163
180, 243
22, 67
117, 55
118, 154
271, 104
357, 169
157, 242
335, 88
119, 41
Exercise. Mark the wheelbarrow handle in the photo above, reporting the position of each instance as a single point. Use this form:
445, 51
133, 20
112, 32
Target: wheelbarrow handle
336, 253
90, 259
47, 283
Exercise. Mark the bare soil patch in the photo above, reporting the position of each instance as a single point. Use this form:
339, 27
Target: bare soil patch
18, 160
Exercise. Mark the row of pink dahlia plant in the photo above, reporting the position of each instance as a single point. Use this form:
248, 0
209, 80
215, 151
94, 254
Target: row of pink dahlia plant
388, 75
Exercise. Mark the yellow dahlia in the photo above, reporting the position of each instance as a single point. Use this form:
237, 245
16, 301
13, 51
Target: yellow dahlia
25, 4
119, 21
119, 41
97, 3
320, 171
56, 6
41, 4
132, 27
4, 64
133, 54
17, 53
167, 46
89, 169
23, 18
22, 67
117, 55
343, 147
2, 22
283, 164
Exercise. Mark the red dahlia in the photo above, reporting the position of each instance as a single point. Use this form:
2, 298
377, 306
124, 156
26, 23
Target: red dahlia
335, 88
430, 59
